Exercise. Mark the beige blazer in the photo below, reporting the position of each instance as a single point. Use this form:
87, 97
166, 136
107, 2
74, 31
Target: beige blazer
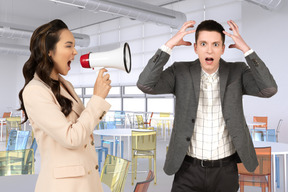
68, 158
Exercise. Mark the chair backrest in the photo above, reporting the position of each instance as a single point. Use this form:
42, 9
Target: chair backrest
150, 119
264, 161
130, 120
143, 186
260, 119
119, 117
6, 114
17, 140
279, 125
17, 162
140, 122
34, 146
144, 140
162, 114
114, 173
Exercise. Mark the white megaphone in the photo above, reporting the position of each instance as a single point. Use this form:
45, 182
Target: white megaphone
118, 58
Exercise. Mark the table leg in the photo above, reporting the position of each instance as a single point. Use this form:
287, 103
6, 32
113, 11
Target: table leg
274, 172
120, 140
129, 149
114, 146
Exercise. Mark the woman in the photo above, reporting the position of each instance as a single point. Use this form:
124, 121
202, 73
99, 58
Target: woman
63, 128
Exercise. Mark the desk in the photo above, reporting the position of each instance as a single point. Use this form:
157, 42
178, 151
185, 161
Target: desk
276, 149
118, 133
251, 124
2, 120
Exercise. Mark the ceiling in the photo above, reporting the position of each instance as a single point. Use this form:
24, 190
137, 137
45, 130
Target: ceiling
29, 14
33, 13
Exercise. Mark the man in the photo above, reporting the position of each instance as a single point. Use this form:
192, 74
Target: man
210, 135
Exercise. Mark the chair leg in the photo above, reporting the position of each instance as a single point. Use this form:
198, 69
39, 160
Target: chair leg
135, 170
241, 187
155, 174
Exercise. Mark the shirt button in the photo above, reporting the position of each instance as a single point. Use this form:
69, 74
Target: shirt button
187, 139
85, 146
89, 172
193, 120
96, 167
92, 142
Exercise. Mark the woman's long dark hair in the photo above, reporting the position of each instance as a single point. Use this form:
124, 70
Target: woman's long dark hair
43, 40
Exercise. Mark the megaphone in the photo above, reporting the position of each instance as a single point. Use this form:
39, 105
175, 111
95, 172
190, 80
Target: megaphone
118, 58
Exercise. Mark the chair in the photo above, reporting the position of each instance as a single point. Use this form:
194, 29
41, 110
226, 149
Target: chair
16, 162
258, 177
143, 185
119, 118
278, 129
141, 124
110, 125
143, 146
114, 173
34, 146
265, 126
5, 115
12, 123
17, 140
163, 123
148, 123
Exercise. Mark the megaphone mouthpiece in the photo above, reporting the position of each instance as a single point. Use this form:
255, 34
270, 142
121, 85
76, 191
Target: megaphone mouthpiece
119, 58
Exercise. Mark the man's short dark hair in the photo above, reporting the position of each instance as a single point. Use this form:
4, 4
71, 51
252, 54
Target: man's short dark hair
210, 25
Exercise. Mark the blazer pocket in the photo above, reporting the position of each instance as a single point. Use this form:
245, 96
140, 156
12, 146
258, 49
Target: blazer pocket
69, 171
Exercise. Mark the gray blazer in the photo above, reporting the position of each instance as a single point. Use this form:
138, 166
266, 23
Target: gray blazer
183, 80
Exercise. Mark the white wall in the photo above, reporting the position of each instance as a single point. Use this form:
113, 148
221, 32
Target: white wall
267, 33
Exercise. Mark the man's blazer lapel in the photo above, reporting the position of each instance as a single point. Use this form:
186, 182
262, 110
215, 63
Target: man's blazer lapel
195, 70
223, 76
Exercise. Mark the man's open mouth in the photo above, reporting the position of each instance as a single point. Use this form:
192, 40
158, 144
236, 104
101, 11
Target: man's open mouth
209, 59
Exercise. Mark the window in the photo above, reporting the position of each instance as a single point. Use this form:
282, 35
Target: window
160, 105
134, 104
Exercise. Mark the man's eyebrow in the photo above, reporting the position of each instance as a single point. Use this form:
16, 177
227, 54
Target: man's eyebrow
69, 42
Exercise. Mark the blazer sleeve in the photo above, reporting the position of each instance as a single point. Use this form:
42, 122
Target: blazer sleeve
257, 79
45, 112
153, 80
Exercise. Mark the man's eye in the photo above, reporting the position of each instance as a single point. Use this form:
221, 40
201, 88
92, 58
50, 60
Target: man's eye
202, 44
216, 44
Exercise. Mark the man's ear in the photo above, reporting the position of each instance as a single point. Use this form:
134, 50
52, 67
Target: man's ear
195, 48
223, 49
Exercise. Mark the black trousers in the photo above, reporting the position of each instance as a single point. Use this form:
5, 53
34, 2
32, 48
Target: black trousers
194, 177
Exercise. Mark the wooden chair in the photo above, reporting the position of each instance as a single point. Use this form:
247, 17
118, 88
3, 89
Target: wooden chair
143, 185
143, 146
16, 162
265, 126
114, 173
261, 177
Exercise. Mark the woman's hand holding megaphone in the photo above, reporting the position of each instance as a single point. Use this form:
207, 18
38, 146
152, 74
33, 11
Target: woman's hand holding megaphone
102, 85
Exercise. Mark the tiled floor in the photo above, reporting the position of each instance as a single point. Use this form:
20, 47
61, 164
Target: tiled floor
164, 181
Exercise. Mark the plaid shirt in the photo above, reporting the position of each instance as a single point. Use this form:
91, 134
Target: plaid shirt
210, 139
